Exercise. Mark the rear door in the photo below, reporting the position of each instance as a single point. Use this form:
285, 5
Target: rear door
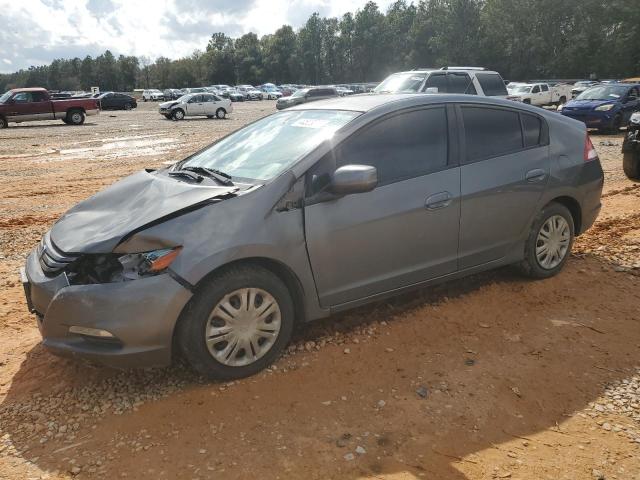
504, 173
403, 232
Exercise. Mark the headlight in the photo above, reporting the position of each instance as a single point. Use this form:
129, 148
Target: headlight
635, 118
604, 108
136, 265
111, 267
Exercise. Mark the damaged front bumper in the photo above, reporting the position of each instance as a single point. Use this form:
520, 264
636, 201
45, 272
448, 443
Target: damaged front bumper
139, 315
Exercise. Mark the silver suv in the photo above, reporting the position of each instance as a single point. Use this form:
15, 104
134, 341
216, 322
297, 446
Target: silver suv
469, 80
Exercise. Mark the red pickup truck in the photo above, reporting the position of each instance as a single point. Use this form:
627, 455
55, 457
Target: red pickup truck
29, 104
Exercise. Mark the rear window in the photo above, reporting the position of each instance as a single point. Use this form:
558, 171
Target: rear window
490, 132
461, 83
492, 84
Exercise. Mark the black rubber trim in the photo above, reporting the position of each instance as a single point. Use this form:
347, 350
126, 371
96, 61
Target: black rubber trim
181, 281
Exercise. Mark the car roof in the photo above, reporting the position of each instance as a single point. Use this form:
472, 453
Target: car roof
29, 89
450, 69
392, 101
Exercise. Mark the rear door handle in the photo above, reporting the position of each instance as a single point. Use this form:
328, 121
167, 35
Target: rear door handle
438, 200
536, 175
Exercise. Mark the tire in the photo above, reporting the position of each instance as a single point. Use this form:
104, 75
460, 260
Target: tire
615, 125
198, 322
127, 106
3, 123
75, 117
526, 101
178, 114
221, 113
630, 164
532, 265
144, 99
563, 100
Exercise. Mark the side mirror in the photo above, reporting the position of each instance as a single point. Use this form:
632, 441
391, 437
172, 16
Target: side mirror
432, 90
354, 179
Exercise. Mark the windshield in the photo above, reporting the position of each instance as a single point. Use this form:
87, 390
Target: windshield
269, 146
522, 89
300, 93
184, 98
5, 96
603, 93
401, 83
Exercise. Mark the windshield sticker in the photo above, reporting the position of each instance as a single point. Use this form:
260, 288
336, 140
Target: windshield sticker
416, 79
310, 123
614, 95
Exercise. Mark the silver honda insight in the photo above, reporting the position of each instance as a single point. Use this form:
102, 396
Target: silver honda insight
310, 211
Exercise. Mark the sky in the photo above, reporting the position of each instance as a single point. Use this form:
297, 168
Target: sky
34, 32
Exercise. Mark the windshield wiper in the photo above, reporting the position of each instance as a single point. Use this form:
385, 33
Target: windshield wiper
221, 177
186, 174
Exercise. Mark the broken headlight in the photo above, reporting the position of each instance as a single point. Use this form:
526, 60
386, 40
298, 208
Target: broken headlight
109, 268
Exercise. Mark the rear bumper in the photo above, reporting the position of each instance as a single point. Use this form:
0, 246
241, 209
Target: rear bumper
140, 314
592, 182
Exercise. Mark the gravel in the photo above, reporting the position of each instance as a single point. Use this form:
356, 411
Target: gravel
620, 398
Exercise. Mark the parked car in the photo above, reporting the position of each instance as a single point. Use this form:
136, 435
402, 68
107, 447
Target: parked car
581, 86
343, 90
30, 104
232, 94
270, 92
286, 90
541, 94
468, 80
305, 95
196, 104
631, 148
152, 95
172, 93
218, 256
116, 101
605, 107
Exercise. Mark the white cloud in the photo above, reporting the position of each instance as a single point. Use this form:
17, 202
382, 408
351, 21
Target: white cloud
37, 31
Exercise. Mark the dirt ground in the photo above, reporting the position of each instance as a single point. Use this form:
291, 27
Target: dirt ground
490, 377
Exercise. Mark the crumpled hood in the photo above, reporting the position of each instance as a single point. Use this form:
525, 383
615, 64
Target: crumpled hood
586, 104
168, 104
98, 224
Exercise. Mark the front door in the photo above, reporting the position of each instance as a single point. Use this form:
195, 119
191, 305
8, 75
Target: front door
504, 173
195, 105
403, 232
26, 106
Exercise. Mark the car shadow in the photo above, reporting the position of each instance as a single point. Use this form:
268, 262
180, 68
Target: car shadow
52, 125
495, 356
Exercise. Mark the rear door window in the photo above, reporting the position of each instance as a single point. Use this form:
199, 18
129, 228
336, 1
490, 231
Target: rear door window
402, 146
437, 80
490, 132
492, 84
545, 88
531, 129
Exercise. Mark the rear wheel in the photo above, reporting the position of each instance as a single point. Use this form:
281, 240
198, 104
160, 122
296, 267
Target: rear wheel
563, 100
549, 243
631, 165
178, 114
237, 323
3, 123
221, 113
75, 117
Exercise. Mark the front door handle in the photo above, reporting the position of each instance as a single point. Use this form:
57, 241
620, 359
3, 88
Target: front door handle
536, 175
438, 200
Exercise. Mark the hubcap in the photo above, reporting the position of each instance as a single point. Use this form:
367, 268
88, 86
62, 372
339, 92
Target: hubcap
553, 242
76, 117
243, 327
179, 115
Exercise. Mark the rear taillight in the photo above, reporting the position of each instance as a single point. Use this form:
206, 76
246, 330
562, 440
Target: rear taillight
590, 153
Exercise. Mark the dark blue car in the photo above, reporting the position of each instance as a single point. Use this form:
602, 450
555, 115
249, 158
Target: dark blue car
605, 107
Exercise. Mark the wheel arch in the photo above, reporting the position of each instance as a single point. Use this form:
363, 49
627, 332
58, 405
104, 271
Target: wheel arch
282, 271
574, 208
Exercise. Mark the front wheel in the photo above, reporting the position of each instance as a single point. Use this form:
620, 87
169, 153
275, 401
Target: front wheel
549, 243
177, 115
237, 323
3, 123
631, 164
221, 113
127, 106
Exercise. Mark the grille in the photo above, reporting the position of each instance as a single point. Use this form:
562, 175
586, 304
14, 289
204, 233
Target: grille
53, 260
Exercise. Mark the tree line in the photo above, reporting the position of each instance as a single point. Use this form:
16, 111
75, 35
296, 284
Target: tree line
521, 39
